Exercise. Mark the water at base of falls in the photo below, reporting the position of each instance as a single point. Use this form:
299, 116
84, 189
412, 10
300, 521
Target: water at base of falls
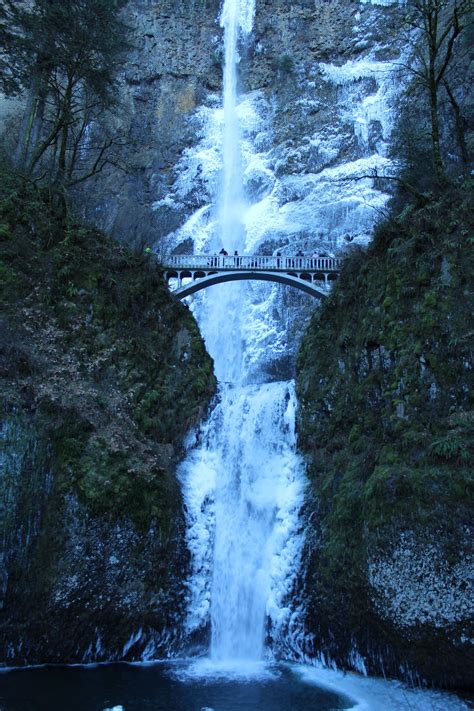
193, 686
243, 489
161, 687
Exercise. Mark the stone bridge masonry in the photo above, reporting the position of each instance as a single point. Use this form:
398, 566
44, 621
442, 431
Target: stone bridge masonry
313, 275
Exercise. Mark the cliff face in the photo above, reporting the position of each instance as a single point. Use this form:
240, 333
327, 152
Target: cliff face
102, 375
174, 63
384, 377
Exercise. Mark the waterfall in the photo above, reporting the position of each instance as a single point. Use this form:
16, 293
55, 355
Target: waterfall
244, 489
244, 484
236, 18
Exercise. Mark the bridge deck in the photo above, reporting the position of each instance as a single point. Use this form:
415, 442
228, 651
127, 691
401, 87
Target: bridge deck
245, 262
312, 275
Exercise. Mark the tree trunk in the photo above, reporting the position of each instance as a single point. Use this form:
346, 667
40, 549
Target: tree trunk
435, 137
459, 125
66, 116
23, 143
31, 125
432, 19
435, 133
432, 86
36, 127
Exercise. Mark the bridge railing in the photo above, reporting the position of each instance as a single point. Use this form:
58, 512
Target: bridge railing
244, 262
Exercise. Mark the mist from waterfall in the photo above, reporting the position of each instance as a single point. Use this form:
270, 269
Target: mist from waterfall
244, 483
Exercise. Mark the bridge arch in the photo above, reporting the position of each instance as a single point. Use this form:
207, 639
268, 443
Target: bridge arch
303, 284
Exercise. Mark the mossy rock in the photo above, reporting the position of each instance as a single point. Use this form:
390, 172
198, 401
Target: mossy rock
385, 416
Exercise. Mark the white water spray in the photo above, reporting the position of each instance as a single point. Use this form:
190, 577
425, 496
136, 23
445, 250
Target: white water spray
244, 485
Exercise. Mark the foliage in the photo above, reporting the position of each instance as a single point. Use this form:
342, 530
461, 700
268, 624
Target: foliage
286, 64
112, 366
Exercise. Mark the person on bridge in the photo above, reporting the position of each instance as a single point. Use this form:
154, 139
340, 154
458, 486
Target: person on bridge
236, 259
223, 252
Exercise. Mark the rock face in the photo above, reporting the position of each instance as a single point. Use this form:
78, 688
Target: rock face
415, 584
102, 374
316, 86
174, 64
78, 586
386, 421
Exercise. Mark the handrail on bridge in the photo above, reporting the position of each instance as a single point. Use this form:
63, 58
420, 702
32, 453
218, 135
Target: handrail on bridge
245, 262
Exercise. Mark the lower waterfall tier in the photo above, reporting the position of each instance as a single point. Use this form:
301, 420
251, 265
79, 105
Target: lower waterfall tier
243, 490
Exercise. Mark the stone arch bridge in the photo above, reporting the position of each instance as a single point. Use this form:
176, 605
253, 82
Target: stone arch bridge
313, 275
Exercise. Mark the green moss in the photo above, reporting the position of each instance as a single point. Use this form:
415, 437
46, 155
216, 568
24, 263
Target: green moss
114, 365
286, 64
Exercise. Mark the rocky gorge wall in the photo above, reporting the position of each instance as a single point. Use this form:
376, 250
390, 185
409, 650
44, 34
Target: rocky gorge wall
384, 377
102, 374
172, 66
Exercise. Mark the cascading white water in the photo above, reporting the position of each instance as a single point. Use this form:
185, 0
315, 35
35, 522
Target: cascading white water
244, 489
244, 484
220, 315
258, 494
236, 19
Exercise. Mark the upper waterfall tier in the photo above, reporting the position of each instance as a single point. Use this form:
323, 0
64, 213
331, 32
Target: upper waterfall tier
236, 19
